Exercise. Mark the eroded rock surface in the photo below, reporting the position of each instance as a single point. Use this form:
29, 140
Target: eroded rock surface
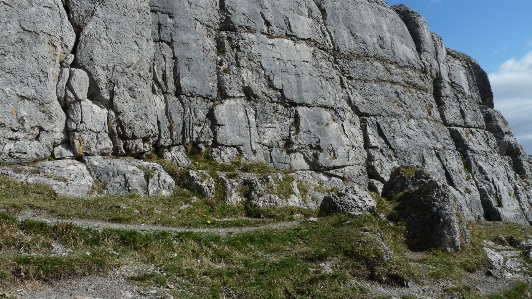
67, 177
338, 89
351, 201
431, 210
36, 38
124, 176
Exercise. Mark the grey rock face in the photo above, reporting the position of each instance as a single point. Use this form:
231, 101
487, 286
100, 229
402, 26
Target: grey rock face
351, 201
431, 210
200, 182
177, 156
304, 189
275, 190
67, 177
338, 91
88, 129
506, 259
124, 176
63, 151
36, 37
78, 84
504, 195
119, 67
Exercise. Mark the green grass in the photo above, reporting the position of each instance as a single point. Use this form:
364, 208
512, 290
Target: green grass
314, 259
519, 290
151, 279
458, 265
285, 263
183, 208
279, 261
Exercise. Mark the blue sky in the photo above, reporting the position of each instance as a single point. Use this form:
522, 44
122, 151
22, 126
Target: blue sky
498, 34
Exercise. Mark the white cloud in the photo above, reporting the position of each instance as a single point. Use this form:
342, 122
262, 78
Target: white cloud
512, 88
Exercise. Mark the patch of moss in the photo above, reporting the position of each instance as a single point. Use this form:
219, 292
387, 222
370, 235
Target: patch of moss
148, 173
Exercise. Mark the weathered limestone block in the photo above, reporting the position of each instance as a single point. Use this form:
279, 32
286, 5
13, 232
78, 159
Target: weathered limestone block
499, 127
457, 94
314, 186
36, 37
88, 129
477, 77
274, 190
196, 125
124, 176
230, 187
63, 151
301, 189
298, 18
78, 84
86, 123
235, 126
201, 182
170, 118
501, 191
188, 28
375, 186
176, 155
373, 30
120, 68
430, 209
225, 154
67, 177
351, 201
426, 45
164, 68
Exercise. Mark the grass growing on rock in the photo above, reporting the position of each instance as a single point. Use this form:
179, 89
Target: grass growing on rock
183, 208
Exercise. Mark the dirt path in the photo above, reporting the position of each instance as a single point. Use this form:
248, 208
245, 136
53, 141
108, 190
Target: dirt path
96, 224
117, 284
222, 231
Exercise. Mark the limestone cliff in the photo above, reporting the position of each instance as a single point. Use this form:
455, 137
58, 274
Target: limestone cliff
335, 90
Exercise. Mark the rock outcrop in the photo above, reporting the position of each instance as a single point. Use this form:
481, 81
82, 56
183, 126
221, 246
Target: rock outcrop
431, 209
350, 201
342, 89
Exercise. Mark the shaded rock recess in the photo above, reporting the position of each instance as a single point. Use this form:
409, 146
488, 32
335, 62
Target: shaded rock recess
340, 91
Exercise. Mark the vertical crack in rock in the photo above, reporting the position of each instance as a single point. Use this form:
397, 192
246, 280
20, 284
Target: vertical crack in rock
323, 13
226, 24
481, 136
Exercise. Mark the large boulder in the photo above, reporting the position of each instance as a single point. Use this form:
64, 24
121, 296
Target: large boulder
125, 176
351, 201
429, 208
67, 177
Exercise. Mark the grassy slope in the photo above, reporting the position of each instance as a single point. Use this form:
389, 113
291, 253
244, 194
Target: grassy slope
316, 259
